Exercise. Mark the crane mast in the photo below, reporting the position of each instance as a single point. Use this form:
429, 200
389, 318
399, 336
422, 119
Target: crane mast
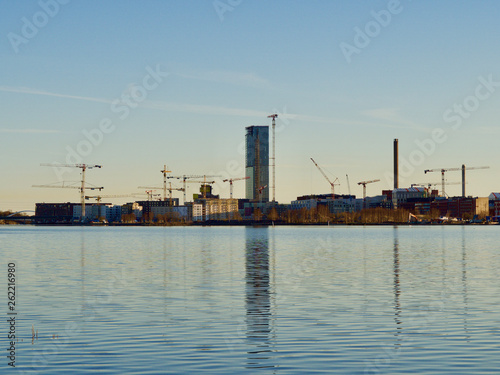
83, 167
231, 184
364, 183
274, 116
165, 171
332, 184
443, 170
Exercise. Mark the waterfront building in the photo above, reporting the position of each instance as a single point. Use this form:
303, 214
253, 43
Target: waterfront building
257, 163
402, 195
494, 201
47, 213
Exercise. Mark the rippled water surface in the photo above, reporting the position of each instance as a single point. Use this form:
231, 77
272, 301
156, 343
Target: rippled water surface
231, 300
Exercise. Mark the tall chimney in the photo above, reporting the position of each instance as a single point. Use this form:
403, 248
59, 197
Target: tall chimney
396, 164
463, 180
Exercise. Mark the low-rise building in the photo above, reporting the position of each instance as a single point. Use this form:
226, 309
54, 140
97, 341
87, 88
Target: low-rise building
402, 195
460, 207
47, 213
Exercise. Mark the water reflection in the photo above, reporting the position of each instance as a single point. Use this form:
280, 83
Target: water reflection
397, 285
259, 319
464, 284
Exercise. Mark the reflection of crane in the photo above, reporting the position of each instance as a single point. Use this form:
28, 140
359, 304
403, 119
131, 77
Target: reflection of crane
332, 184
83, 167
274, 154
231, 184
443, 170
364, 183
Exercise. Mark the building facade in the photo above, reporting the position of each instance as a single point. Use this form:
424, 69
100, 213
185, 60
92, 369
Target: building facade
257, 163
402, 195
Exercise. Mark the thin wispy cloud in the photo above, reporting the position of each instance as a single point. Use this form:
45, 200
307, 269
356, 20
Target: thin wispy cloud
29, 131
394, 118
387, 114
233, 78
31, 91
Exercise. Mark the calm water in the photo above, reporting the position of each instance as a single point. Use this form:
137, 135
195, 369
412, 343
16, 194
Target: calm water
224, 300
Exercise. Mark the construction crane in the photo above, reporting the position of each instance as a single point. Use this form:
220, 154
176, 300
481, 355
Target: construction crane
260, 192
430, 184
98, 198
332, 184
164, 171
364, 183
169, 189
184, 178
274, 116
443, 170
151, 195
204, 183
83, 167
231, 184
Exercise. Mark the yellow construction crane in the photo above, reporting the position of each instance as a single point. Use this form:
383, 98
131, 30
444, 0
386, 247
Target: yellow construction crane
82, 187
364, 183
443, 170
164, 171
170, 189
184, 178
204, 183
231, 184
332, 184
98, 198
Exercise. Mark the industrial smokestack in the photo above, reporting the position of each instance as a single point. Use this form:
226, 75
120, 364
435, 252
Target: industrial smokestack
463, 180
396, 164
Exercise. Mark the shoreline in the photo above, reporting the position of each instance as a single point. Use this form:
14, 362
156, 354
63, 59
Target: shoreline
245, 224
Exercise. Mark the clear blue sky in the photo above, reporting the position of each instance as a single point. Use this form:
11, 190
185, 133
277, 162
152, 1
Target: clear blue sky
229, 66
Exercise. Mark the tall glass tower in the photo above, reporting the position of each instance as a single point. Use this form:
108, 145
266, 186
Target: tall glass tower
257, 163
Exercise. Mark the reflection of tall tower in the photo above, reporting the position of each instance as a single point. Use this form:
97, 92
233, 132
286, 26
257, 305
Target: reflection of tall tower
257, 162
258, 297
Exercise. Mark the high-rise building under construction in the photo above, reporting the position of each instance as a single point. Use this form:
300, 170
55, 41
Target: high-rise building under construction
257, 163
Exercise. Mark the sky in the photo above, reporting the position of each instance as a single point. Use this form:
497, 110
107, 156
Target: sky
135, 85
